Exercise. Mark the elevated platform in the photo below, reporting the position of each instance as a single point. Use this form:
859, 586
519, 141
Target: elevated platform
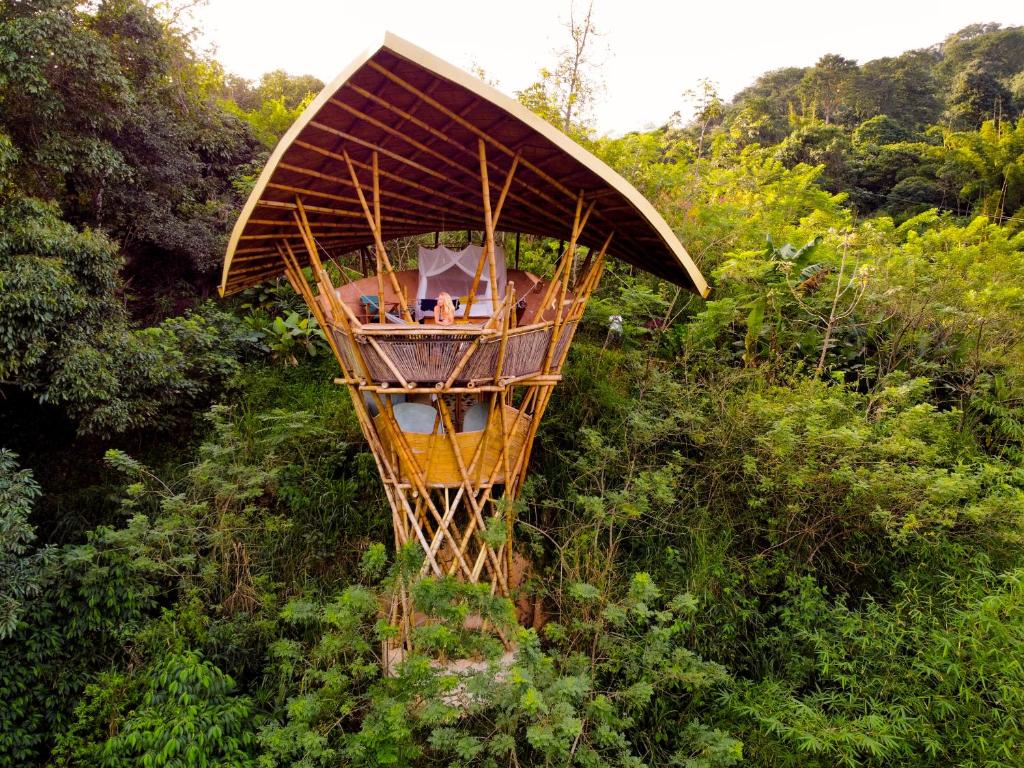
468, 354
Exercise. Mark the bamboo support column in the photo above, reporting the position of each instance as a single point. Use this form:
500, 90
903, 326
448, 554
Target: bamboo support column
373, 218
490, 225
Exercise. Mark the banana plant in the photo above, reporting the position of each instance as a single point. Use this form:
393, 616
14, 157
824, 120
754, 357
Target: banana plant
783, 262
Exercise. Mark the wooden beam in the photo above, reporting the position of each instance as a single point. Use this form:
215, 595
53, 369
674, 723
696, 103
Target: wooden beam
387, 175
384, 193
440, 156
455, 219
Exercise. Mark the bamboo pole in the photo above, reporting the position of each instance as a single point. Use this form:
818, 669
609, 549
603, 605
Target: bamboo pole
372, 219
299, 285
509, 311
490, 224
450, 509
376, 191
505, 188
556, 280
388, 362
338, 308
466, 357
429, 330
407, 457
560, 309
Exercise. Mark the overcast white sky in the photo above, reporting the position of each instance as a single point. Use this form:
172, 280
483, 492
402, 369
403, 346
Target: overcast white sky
654, 49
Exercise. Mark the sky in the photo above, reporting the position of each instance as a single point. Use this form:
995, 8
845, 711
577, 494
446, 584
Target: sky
649, 53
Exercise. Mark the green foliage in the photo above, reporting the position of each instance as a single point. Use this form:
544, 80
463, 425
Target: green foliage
94, 597
288, 336
611, 668
977, 95
65, 337
21, 569
929, 677
825, 87
118, 123
781, 526
188, 716
271, 119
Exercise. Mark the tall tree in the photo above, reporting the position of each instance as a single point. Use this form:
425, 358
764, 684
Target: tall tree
707, 110
574, 62
902, 87
564, 95
825, 87
772, 96
977, 95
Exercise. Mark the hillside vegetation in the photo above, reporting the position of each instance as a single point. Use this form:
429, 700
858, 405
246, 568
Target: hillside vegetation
779, 527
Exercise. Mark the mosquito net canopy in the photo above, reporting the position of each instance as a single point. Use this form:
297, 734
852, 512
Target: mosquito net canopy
442, 270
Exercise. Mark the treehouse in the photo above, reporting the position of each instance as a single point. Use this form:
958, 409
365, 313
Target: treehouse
451, 363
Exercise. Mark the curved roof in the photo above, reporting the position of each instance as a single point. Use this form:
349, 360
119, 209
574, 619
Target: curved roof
425, 117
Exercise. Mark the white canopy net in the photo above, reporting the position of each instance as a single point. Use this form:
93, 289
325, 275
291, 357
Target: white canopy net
444, 270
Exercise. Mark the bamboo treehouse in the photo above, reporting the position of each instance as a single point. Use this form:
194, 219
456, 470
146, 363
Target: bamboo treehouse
449, 394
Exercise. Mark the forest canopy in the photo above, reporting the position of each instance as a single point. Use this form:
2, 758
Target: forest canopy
779, 527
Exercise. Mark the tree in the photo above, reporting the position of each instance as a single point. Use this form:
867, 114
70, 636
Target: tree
825, 87
880, 130
188, 716
272, 106
997, 49
115, 117
773, 95
293, 89
564, 95
903, 87
707, 110
977, 95
64, 332
987, 168
818, 143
